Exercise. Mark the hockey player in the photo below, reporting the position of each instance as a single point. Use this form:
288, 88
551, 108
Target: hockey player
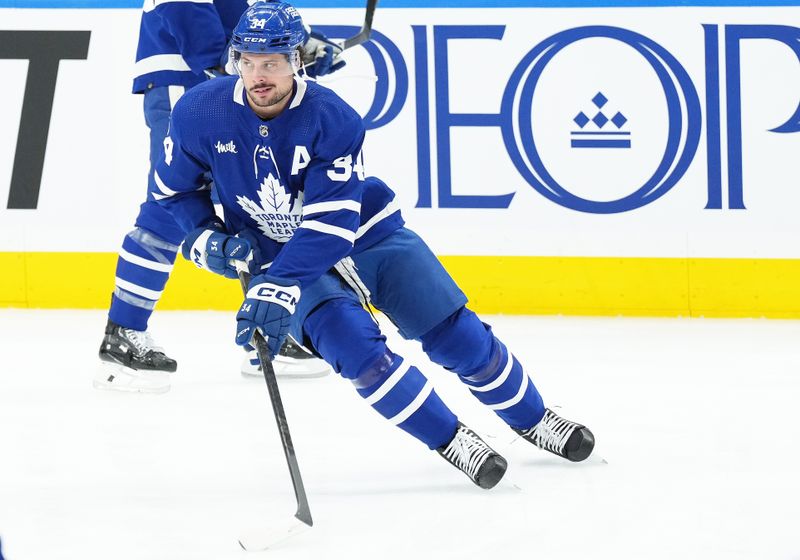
181, 44
287, 161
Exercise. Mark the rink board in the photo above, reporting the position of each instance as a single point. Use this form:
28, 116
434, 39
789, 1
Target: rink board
513, 285
593, 158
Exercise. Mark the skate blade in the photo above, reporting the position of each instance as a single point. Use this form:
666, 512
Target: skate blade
268, 537
128, 380
281, 373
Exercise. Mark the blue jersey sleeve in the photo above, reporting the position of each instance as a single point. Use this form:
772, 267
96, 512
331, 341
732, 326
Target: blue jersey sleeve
180, 178
333, 188
197, 30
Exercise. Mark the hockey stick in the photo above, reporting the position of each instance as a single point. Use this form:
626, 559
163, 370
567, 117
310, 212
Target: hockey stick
363, 35
262, 539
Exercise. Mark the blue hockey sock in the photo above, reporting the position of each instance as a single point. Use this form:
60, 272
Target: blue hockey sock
143, 267
504, 387
405, 397
345, 335
463, 344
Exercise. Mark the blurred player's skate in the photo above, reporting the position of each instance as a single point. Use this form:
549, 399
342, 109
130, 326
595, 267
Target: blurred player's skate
293, 361
132, 362
560, 436
468, 452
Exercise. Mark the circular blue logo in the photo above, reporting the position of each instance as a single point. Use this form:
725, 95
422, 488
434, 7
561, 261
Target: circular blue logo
683, 109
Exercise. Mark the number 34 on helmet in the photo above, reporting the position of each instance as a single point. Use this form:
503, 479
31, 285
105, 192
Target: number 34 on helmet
269, 28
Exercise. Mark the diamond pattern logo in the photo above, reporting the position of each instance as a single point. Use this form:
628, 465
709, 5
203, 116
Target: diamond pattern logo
600, 135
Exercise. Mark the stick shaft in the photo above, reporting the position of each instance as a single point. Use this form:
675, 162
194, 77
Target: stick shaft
303, 509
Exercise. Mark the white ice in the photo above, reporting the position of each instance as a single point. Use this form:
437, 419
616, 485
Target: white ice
697, 450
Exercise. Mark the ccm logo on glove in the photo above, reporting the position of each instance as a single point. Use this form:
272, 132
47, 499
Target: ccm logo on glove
285, 296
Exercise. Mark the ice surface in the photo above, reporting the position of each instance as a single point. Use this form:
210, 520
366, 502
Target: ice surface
697, 421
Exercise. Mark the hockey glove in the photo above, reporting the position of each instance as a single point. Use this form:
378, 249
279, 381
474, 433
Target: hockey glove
211, 248
268, 307
323, 56
215, 72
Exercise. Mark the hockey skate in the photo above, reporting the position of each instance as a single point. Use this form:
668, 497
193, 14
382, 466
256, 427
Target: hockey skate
469, 453
293, 361
560, 436
132, 362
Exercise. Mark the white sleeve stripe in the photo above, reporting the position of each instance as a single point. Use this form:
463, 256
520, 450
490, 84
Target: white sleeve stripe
160, 196
387, 211
404, 414
389, 384
151, 5
162, 187
500, 379
332, 206
161, 62
515, 399
143, 262
322, 227
138, 290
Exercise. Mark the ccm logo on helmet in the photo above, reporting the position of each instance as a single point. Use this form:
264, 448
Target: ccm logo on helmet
254, 40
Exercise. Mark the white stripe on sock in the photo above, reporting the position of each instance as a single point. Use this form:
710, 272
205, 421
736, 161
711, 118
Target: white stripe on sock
515, 399
404, 414
143, 262
500, 378
138, 290
393, 380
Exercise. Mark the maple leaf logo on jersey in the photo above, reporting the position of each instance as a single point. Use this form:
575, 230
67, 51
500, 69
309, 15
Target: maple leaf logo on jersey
274, 212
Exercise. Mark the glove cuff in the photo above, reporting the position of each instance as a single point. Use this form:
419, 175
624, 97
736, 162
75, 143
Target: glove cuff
263, 290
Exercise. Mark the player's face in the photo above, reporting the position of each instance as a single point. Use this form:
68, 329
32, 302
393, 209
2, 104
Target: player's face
268, 80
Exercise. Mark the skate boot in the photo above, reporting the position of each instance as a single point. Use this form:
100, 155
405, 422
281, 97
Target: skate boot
560, 436
468, 452
132, 362
292, 361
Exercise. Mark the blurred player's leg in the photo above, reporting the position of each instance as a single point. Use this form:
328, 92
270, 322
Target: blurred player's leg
345, 335
131, 359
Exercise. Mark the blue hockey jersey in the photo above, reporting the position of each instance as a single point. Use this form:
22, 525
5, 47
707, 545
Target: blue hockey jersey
296, 180
180, 39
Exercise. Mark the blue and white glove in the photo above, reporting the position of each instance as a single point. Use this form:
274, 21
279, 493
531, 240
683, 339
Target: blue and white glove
323, 56
268, 306
210, 248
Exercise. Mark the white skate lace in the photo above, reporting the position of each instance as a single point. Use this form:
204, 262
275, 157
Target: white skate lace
467, 452
142, 341
551, 433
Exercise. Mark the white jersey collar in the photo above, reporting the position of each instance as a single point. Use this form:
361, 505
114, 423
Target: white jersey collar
300, 92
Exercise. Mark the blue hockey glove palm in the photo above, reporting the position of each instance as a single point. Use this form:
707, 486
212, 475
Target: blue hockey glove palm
323, 56
211, 248
268, 306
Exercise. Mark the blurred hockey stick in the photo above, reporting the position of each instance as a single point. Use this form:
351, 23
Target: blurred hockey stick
263, 538
363, 35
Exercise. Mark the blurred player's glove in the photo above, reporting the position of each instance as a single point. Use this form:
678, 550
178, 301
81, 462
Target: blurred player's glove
215, 72
209, 247
323, 56
268, 306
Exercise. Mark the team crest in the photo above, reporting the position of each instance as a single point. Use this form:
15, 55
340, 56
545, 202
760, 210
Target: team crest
275, 213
